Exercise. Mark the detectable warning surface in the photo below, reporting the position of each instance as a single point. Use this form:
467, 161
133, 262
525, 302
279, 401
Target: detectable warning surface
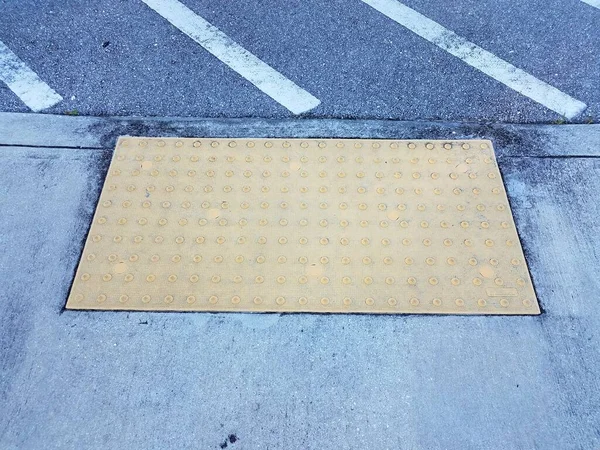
372, 226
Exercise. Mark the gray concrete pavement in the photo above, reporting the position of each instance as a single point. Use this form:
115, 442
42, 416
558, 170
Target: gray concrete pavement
121, 58
40, 130
87, 380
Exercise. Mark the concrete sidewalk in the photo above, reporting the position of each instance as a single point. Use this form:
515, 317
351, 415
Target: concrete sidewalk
74, 379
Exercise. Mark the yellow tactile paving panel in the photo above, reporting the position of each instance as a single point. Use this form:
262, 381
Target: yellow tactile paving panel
370, 226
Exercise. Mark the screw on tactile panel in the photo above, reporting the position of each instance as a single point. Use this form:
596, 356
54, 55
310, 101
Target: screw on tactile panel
371, 226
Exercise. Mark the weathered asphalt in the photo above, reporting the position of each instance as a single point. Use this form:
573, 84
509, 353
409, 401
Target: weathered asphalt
122, 58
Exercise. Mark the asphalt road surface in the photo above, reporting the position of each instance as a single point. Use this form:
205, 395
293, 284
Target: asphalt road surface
498, 61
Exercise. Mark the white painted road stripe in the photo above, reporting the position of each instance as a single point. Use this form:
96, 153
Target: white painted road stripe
595, 3
260, 74
479, 58
24, 82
